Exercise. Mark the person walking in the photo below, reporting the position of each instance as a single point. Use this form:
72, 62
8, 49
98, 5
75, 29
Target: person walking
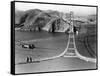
30, 59
75, 30
27, 60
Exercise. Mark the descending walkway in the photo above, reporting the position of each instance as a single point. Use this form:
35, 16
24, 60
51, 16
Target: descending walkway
71, 50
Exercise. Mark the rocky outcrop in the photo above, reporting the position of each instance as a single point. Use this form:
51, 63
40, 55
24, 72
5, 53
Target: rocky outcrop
56, 25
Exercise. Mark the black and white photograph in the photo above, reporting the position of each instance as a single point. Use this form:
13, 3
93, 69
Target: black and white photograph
51, 37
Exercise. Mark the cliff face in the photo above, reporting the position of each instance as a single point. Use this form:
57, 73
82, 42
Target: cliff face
56, 25
36, 19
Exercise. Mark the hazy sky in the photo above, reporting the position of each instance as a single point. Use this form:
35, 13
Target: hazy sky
78, 10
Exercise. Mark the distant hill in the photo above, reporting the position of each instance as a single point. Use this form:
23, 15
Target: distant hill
35, 19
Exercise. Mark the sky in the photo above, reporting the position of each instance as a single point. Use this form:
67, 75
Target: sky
78, 10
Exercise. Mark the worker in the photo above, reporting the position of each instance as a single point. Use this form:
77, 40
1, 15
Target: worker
30, 59
27, 60
75, 30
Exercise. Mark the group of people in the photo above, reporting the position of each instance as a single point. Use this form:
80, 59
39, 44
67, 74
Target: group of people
29, 59
75, 30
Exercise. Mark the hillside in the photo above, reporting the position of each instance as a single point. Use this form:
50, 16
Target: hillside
49, 20
36, 20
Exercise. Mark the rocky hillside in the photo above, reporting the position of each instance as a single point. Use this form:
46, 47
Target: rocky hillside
36, 20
